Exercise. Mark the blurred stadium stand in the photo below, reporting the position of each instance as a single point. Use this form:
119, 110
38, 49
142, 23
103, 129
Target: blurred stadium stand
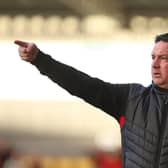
85, 7
67, 18
82, 8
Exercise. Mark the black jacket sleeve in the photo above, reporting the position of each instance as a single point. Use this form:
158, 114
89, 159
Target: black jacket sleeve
111, 98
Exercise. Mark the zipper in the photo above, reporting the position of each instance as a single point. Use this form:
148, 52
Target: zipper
162, 130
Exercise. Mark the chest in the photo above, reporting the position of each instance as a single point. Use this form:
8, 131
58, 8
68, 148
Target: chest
149, 113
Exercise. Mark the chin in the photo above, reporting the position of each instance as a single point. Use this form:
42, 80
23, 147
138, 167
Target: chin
157, 82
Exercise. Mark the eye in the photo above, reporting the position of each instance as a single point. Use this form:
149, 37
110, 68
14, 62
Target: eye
164, 57
153, 57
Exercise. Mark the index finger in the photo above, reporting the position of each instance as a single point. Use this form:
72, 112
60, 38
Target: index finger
21, 43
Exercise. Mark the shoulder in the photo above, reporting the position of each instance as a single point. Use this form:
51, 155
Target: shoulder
138, 89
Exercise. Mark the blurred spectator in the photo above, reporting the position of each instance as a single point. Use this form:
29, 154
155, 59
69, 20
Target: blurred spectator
5, 153
14, 161
9, 158
32, 161
36, 163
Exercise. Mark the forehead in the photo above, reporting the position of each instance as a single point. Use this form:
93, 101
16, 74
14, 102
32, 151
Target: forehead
160, 48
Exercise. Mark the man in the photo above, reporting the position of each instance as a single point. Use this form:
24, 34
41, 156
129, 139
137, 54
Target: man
141, 111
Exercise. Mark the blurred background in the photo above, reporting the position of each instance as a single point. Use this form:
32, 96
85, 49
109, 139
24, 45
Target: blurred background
41, 125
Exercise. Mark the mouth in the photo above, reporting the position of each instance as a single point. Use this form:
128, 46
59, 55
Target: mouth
156, 75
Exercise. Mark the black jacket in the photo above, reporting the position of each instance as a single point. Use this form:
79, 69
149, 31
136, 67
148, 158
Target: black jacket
144, 110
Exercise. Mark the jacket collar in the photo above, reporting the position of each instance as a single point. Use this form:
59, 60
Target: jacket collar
159, 89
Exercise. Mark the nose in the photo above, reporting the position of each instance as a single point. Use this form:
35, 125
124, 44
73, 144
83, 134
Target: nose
156, 63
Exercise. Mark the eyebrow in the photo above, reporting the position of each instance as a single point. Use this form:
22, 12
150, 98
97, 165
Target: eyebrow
159, 54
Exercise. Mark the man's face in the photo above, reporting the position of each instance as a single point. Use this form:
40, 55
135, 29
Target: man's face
160, 64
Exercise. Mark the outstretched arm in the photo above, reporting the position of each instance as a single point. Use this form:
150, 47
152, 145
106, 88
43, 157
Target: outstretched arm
111, 98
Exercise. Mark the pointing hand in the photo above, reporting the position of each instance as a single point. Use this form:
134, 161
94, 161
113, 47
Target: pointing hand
27, 51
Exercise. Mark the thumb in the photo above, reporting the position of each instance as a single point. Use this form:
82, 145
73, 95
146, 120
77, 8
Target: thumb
21, 43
